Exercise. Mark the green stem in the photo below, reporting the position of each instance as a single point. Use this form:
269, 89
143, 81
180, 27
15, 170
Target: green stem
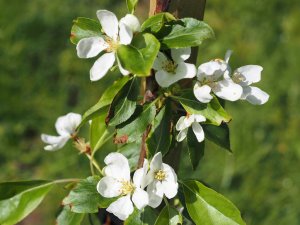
95, 164
69, 180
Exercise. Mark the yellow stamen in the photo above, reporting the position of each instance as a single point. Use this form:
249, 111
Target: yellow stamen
112, 45
127, 187
237, 77
170, 66
160, 175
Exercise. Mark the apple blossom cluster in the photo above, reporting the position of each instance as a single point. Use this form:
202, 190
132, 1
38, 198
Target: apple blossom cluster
158, 178
148, 110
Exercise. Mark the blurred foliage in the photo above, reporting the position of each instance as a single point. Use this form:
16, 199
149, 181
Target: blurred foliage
41, 78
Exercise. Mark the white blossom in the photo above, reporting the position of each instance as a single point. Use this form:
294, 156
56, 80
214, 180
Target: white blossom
171, 70
193, 121
214, 76
66, 127
247, 75
117, 183
116, 33
161, 180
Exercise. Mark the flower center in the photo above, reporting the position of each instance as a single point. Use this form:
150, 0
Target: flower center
127, 187
160, 175
170, 66
112, 44
238, 78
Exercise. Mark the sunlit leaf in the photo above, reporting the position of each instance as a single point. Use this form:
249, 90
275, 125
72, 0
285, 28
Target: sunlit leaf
84, 28
154, 23
105, 100
132, 152
187, 32
67, 217
146, 216
169, 216
139, 57
84, 198
18, 199
207, 207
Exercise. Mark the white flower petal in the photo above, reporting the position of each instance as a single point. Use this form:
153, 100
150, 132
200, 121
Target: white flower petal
228, 90
132, 22
170, 189
210, 70
139, 177
180, 54
182, 135
140, 198
255, 95
125, 34
184, 70
180, 125
202, 93
121, 208
117, 166
109, 187
156, 162
199, 118
250, 74
55, 142
67, 124
90, 47
198, 131
109, 23
102, 65
122, 70
160, 60
154, 199
171, 175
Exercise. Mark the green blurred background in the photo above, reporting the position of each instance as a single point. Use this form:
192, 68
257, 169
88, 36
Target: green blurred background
41, 78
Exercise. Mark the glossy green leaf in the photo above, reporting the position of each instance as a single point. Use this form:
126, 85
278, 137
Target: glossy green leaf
18, 199
99, 132
169, 216
67, 217
139, 57
195, 148
84, 28
218, 134
133, 130
155, 23
213, 111
159, 139
105, 100
84, 198
187, 32
146, 216
132, 152
131, 4
207, 207
124, 104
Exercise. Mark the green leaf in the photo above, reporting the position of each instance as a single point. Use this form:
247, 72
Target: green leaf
132, 152
99, 132
139, 57
67, 217
218, 134
159, 139
207, 207
105, 100
155, 23
133, 130
124, 104
84, 198
131, 4
84, 28
195, 148
187, 32
18, 199
169, 216
213, 111
146, 216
